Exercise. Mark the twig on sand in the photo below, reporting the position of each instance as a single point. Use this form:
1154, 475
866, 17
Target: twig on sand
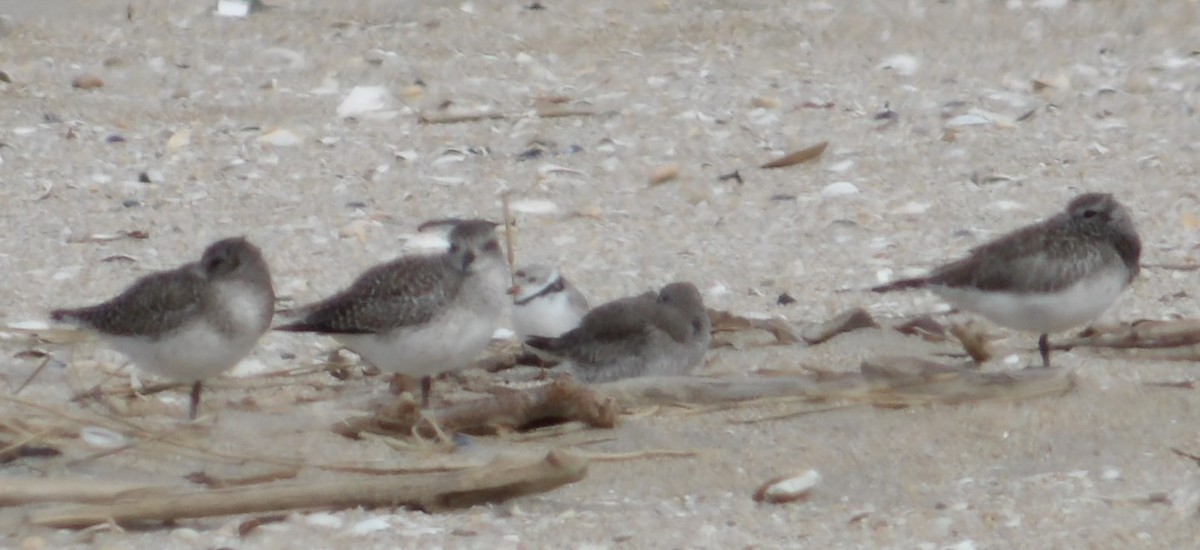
501, 479
455, 117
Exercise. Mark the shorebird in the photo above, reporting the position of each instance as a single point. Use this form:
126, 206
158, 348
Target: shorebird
1046, 277
189, 323
420, 315
544, 302
663, 334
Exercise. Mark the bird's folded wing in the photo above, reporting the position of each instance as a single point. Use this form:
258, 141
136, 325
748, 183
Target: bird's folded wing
157, 303
402, 293
1025, 262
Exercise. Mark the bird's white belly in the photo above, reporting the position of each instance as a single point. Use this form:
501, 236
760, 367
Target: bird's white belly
547, 316
196, 351
1043, 312
446, 343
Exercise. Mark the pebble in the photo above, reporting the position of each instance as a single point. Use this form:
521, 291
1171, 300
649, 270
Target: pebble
766, 102
664, 173
87, 82
283, 58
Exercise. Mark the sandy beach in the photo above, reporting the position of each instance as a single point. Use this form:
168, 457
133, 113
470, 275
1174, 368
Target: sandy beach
135, 133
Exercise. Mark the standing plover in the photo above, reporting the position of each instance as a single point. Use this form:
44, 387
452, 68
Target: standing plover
544, 303
1046, 277
421, 315
664, 334
189, 323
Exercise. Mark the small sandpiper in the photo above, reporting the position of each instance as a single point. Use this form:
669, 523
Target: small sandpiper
189, 323
544, 302
663, 334
421, 315
1046, 277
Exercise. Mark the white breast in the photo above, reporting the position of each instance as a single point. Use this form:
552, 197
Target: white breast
449, 341
548, 316
1043, 312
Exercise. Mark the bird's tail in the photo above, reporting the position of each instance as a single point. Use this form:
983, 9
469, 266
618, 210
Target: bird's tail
903, 284
65, 315
298, 326
541, 343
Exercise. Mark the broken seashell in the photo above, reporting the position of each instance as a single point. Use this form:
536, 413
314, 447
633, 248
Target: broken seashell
788, 488
664, 173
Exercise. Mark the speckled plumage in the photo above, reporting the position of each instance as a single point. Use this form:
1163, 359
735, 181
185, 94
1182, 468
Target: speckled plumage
192, 322
1049, 276
647, 335
420, 315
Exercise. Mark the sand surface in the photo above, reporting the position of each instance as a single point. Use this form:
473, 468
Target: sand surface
235, 126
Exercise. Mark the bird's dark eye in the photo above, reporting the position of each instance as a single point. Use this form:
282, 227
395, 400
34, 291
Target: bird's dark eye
454, 248
1089, 213
521, 274
491, 246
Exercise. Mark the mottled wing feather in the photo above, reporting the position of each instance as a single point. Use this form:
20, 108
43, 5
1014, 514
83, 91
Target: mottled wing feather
1036, 259
609, 331
155, 304
405, 292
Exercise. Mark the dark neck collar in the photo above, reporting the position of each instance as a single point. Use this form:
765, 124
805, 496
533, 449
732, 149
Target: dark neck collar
556, 286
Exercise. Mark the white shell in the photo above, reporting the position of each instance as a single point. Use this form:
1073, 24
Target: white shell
534, 206
364, 100
102, 438
788, 488
839, 189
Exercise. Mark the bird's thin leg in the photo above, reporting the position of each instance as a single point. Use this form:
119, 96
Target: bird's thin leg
1044, 347
426, 389
196, 387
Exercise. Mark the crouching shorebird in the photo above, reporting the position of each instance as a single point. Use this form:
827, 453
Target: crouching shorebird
544, 303
664, 334
420, 315
189, 323
1047, 277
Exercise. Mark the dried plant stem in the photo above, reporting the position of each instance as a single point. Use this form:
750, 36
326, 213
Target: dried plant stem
509, 241
20, 491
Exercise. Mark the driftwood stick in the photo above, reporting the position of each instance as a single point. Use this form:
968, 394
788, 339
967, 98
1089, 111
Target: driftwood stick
887, 381
649, 391
501, 479
1142, 334
563, 399
18, 491
725, 323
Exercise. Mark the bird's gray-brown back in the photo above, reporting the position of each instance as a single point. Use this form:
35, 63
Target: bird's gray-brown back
164, 301
1092, 233
411, 290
